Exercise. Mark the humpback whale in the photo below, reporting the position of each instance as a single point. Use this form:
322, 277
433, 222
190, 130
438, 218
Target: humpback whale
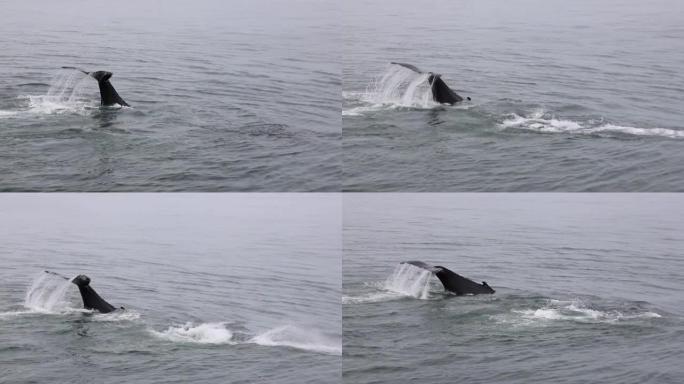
108, 95
91, 300
453, 282
441, 92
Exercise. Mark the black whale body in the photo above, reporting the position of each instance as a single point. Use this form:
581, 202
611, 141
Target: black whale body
108, 95
441, 92
453, 282
91, 300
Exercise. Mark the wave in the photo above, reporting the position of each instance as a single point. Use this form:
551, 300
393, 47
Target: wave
575, 310
7, 114
205, 333
118, 315
299, 338
373, 297
9, 314
539, 122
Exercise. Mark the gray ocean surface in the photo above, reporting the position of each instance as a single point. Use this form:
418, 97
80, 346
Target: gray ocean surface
588, 288
566, 96
226, 96
217, 288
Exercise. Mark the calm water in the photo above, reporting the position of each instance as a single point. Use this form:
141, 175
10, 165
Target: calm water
231, 96
566, 96
217, 289
589, 289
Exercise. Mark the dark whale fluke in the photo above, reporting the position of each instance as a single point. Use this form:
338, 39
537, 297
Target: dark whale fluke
454, 282
108, 95
441, 93
91, 300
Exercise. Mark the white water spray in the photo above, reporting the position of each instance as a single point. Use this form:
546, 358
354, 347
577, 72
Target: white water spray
307, 339
402, 87
543, 122
47, 294
68, 92
410, 281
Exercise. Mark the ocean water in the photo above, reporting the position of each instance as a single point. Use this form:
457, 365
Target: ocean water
225, 96
588, 288
217, 288
566, 96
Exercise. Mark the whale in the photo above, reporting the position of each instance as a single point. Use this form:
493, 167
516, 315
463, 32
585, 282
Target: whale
441, 92
452, 281
91, 300
108, 95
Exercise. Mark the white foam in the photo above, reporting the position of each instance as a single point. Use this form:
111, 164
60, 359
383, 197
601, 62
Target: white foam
7, 113
573, 310
127, 315
664, 132
373, 297
205, 333
299, 338
538, 123
9, 314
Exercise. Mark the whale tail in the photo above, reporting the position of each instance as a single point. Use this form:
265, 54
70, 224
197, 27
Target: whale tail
108, 95
454, 282
441, 92
91, 300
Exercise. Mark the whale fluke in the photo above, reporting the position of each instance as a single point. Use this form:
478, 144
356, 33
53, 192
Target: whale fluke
91, 300
409, 66
454, 282
108, 95
57, 274
441, 92
78, 69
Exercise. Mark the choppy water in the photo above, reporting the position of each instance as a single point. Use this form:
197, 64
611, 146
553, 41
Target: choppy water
230, 96
588, 288
566, 96
217, 288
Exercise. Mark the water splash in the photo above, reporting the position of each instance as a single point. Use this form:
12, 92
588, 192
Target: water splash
48, 294
405, 280
409, 280
300, 338
205, 333
401, 87
69, 92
